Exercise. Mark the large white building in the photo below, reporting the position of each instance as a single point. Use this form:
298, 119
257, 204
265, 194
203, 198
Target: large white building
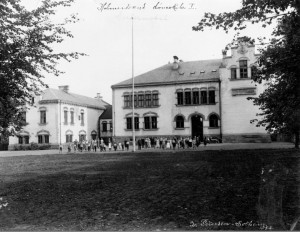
60, 117
198, 98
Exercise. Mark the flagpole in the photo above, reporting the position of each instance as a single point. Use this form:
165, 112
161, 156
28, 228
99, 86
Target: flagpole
133, 122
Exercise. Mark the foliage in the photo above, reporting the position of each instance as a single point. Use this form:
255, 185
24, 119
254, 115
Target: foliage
26, 55
278, 64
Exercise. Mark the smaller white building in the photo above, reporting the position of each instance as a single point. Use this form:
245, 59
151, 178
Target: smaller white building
60, 117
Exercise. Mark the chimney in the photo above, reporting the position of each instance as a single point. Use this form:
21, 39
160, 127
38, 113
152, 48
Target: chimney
175, 63
98, 97
64, 88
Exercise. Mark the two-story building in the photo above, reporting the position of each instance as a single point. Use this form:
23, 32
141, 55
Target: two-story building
60, 117
197, 98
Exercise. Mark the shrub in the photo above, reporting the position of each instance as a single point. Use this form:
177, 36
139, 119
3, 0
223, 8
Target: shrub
34, 146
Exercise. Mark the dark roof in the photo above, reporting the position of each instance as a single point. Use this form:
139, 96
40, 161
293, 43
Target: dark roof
187, 71
72, 98
107, 114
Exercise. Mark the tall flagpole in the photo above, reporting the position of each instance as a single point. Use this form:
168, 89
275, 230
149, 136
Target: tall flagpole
133, 122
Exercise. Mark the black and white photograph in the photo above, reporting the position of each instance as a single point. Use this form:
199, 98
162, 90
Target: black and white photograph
149, 115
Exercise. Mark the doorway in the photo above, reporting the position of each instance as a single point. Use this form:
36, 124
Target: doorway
197, 126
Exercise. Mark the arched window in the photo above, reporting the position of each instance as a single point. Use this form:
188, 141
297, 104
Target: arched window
65, 115
69, 136
213, 120
72, 115
179, 121
82, 117
43, 136
94, 135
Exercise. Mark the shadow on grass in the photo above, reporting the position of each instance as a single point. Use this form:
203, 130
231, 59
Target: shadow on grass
148, 191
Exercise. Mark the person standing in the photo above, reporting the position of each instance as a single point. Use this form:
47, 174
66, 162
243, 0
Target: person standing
205, 141
94, 143
109, 145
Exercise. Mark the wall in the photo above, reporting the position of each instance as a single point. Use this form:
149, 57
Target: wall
166, 112
237, 111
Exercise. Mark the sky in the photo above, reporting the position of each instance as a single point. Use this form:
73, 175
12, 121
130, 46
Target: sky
105, 35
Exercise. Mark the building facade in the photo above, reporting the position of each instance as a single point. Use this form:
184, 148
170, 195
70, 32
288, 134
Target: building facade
60, 117
205, 98
105, 126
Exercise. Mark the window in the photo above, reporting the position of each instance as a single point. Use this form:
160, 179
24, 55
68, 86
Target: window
213, 121
26, 139
128, 123
179, 122
69, 138
111, 126
127, 102
154, 122
72, 117
253, 71
20, 139
187, 98
180, 98
135, 100
150, 122
104, 126
43, 116
140, 100
195, 97
211, 97
65, 117
40, 139
148, 100
136, 123
155, 99
46, 138
147, 122
43, 138
233, 73
243, 69
203, 97
94, 135
82, 118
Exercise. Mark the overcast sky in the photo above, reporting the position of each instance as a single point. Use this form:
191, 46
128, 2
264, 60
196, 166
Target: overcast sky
159, 34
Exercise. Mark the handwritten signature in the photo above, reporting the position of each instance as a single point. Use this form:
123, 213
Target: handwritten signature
208, 223
108, 6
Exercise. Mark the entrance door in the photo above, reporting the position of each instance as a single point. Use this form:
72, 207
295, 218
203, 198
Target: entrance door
197, 126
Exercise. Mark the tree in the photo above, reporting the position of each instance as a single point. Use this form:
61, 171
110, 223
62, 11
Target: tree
26, 55
278, 64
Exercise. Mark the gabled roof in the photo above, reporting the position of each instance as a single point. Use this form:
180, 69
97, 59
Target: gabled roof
191, 71
107, 114
49, 95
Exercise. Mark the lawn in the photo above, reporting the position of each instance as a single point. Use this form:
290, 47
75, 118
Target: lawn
187, 190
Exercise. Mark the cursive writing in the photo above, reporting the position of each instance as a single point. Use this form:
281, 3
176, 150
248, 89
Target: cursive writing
208, 223
108, 6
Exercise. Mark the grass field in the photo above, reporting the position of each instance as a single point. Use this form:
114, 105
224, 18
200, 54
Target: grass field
188, 190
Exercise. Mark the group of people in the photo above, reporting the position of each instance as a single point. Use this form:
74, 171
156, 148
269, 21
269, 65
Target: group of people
171, 142
150, 142
94, 145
